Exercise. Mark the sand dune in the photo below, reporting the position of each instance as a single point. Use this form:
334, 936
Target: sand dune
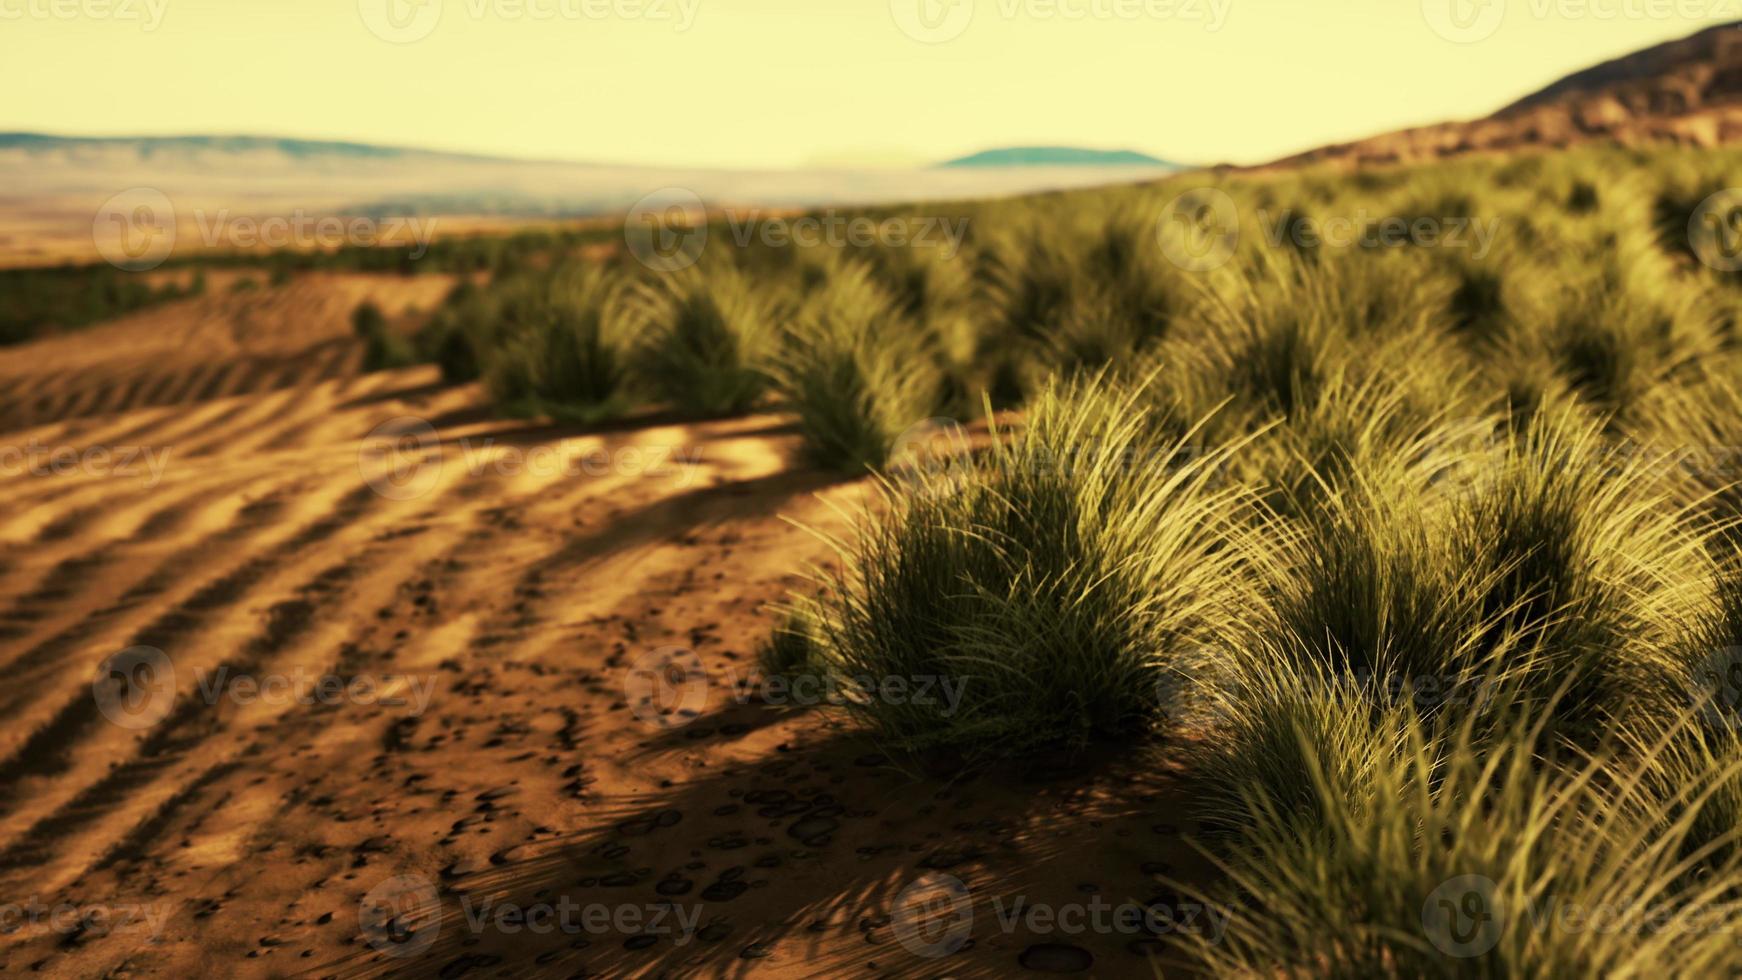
514, 582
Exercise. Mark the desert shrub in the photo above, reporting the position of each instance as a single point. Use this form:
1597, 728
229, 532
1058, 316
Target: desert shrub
559, 346
1591, 576
706, 338
858, 371
1053, 583
383, 347
454, 336
1684, 184
790, 650
1615, 328
1478, 301
1375, 594
1583, 197
1448, 850
1694, 431
1697, 753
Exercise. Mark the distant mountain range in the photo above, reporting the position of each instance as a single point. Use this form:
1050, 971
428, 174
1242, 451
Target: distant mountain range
52, 186
1059, 156
152, 145
1687, 92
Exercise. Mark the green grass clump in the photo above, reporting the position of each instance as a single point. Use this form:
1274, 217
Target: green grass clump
1592, 575
1451, 851
1054, 584
790, 650
706, 339
561, 350
383, 347
858, 372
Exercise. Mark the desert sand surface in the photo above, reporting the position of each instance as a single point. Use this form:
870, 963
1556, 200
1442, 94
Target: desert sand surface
506, 590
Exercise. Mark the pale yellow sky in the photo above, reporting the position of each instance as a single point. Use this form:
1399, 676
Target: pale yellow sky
778, 83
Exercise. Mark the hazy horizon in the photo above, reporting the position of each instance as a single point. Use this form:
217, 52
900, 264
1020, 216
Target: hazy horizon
775, 84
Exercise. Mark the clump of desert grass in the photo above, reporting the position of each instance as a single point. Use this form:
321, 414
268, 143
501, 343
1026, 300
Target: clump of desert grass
857, 370
790, 649
1054, 582
1694, 429
1066, 295
705, 339
1592, 571
383, 347
1445, 848
455, 336
559, 347
1540, 568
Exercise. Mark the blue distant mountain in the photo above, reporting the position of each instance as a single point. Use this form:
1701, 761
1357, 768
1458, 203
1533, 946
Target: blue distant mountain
148, 146
1059, 156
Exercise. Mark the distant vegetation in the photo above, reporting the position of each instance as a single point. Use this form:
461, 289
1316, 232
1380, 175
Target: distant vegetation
37, 301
